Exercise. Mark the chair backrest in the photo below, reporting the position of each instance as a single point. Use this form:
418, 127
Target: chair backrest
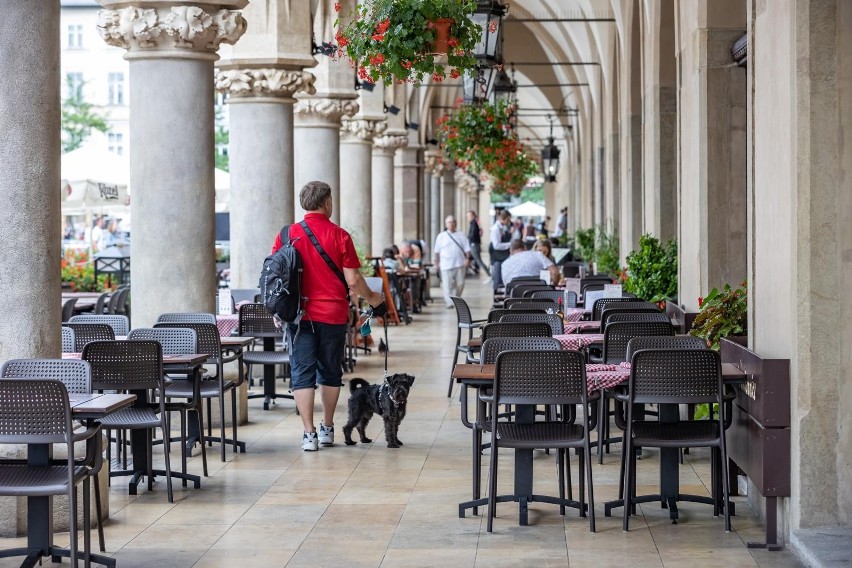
523, 281
75, 374
676, 376
602, 304
553, 320
618, 316
618, 335
551, 294
175, 340
119, 323
520, 291
540, 377
586, 288
571, 268
530, 290
85, 333
244, 294
114, 299
510, 302
505, 329
495, 314
256, 321
189, 317
100, 303
548, 306
125, 365
462, 310
35, 412
491, 348
596, 279
664, 342
123, 298
68, 309
206, 334
68, 343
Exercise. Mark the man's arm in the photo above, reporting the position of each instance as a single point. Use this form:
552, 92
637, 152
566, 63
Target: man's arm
358, 285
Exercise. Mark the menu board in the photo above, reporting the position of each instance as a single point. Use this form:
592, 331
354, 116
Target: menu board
224, 302
612, 290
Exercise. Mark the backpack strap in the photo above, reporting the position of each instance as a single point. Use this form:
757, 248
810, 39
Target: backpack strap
334, 268
285, 235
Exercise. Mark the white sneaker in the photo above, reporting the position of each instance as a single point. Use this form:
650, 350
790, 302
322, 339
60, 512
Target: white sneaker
310, 442
326, 435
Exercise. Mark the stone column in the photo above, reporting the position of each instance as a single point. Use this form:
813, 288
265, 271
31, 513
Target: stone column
317, 142
448, 197
426, 205
261, 161
406, 188
356, 146
29, 181
171, 49
384, 148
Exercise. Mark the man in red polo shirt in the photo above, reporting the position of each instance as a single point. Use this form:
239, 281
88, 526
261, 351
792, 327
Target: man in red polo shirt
317, 349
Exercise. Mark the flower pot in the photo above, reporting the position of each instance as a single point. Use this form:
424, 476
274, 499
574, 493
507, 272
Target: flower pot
442, 35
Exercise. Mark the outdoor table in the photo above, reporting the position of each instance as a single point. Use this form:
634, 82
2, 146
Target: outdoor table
577, 341
573, 314
598, 376
581, 326
88, 407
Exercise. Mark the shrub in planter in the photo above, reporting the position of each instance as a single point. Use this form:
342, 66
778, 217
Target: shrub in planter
395, 40
723, 313
652, 270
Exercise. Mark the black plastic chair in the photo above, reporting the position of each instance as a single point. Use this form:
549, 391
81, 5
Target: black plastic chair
465, 321
525, 303
68, 341
520, 291
618, 316
122, 308
495, 314
672, 377
602, 304
85, 333
38, 412
68, 309
135, 367
119, 323
100, 304
528, 378
557, 296
523, 281
76, 375
256, 321
504, 329
553, 320
188, 317
209, 342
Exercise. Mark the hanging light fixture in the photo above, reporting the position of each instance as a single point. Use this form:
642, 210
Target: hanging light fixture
477, 88
504, 88
550, 157
489, 16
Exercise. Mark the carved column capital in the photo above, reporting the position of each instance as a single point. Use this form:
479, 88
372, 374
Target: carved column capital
246, 84
188, 32
323, 112
435, 163
363, 130
389, 143
465, 181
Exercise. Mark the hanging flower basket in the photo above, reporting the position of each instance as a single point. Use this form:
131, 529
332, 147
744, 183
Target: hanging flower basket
480, 140
407, 40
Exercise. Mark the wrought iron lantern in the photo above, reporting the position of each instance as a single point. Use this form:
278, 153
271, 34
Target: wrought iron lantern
550, 158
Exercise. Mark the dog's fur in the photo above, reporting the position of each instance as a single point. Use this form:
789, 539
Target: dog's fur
388, 400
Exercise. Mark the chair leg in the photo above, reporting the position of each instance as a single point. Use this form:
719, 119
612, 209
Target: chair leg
234, 417
200, 415
99, 513
72, 529
568, 481
455, 361
183, 456
150, 450
726, 487
221, 423
209, 421
87, 524
560, 473
588, 452
168, 472
582, 483
626, 491
492, 484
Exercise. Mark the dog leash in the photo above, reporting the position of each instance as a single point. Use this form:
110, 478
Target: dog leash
366, 330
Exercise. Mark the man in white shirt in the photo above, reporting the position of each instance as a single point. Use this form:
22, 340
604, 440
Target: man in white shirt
498, 247
452, 257
523, 262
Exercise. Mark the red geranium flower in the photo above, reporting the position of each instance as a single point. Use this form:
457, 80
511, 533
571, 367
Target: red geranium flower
700, 301
337, 6
407, 64
377, 60
453, 42
378, 37
437, 77
455, 74
341, 39
383, 26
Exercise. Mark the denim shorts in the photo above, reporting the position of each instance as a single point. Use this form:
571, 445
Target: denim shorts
316, 354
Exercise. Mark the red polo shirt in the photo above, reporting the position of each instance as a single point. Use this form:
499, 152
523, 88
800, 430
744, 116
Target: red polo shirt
326, 297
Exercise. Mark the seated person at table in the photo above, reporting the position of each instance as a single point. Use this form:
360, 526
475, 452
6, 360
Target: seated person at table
389, 261
544, 248
416, 254
523, 262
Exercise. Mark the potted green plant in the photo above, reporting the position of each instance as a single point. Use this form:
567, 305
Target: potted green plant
405, 40
722, 313
584, 244
652, 270
606, 253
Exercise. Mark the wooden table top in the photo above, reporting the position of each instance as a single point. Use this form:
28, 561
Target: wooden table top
186, 359
97, 405
473, 372
236, 341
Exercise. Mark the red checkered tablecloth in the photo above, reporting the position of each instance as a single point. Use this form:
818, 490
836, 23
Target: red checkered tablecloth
576, 341
576, 326
72, 355
227, 324
574, 314
603, 376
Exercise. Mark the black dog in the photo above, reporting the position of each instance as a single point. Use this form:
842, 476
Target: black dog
388, 400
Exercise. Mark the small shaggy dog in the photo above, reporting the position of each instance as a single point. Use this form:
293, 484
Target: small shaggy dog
388, 400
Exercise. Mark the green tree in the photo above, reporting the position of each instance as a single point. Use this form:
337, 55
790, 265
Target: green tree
79, 118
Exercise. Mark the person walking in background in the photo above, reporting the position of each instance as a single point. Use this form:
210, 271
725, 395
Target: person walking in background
474, 237
317, 341
498, 247
561, 223
452, 257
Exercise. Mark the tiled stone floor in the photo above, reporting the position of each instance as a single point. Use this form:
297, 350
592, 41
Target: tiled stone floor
372, 506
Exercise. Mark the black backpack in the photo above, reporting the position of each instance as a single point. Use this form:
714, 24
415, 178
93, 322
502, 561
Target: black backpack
281, 281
